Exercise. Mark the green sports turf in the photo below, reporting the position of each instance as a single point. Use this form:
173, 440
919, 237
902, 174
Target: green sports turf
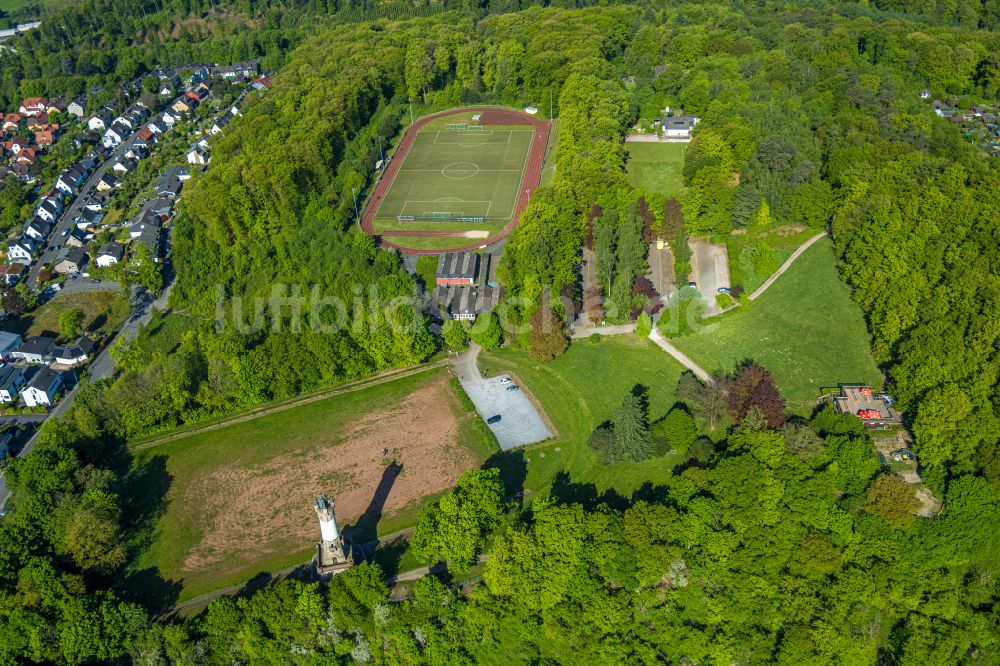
461, 173
656, 167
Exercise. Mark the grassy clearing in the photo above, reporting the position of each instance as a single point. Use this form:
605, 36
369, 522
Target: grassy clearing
103, 313
781, 239
439, 243
549, 168
198, 482
578, 391
805, 330
656, 167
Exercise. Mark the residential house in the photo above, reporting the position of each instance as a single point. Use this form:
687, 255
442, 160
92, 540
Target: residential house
42, 388
221, 123
96, 201
12, 378
32, 106
148, 235
125, 165
110, 254
157, 126
117, 133
36, 349
71, 179
38, 228
240, 70
101, 120
181, 105
79, 237
77, 106
45, 137
198, 155
679, 127
169, 117
8, 343
263, 83
180, 173
166, 90
22, 250
50, 207
70, 260
88, 219
11, 122
11, 274
144, 138
107, 182
74, 354
40, 121
26, 156
11, 382
17, 144
56, 105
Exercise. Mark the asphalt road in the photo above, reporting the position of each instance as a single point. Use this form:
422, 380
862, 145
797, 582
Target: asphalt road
73, 211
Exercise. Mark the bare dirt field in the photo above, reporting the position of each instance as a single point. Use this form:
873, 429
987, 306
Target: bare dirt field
241, 498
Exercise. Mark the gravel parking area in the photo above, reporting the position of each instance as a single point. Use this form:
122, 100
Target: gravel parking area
710, 268
520, 423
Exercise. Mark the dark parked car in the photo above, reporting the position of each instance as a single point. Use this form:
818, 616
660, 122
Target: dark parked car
513, 387
493, 419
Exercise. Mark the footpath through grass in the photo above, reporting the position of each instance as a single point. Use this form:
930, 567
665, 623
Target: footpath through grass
580, 390
805, 330
656, 167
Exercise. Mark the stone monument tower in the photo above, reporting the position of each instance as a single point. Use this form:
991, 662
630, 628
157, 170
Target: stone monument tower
332, 554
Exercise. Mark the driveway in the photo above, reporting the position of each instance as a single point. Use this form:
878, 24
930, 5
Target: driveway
710, 269
520, 423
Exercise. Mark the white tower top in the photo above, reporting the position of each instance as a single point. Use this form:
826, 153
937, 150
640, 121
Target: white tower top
327, 519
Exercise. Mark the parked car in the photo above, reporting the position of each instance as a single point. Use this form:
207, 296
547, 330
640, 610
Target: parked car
693, 284
493, 419
95, 282
513, 387
505, 380
723, 290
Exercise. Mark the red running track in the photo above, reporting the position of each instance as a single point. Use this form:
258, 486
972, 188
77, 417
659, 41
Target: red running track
530, 179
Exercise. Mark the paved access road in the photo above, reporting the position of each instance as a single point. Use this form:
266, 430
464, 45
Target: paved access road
520, 423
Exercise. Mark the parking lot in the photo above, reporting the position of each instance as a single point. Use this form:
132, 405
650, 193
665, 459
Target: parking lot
520, 423
710, 269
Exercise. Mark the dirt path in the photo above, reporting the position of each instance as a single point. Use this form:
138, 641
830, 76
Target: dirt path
681, 357
785, 266
267, 410
490, 116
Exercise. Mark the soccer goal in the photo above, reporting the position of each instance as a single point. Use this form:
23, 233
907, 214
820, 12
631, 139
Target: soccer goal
455, 126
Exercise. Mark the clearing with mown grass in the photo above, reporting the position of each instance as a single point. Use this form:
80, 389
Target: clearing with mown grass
580, 390
238, 500
656, 167
805, 330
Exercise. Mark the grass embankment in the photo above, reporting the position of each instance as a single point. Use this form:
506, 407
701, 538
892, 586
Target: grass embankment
656, 167
782, 239
237, 501
580, 390
103, 313
805, 330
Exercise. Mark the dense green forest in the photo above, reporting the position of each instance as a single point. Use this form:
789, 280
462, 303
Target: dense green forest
779, 543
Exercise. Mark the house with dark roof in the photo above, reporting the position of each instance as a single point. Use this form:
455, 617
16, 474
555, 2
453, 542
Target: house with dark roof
38, 228
22, 249
12, 378
11, 274
42, 388
8, 343
36, 349
74, 354
77, 106
109, 254
71, 260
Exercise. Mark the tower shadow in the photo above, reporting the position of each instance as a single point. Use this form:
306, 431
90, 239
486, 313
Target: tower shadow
364, 529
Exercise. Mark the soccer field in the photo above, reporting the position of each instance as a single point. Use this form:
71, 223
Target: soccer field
466, 175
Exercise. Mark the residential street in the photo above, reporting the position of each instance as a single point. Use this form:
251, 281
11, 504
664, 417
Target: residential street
73, 211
